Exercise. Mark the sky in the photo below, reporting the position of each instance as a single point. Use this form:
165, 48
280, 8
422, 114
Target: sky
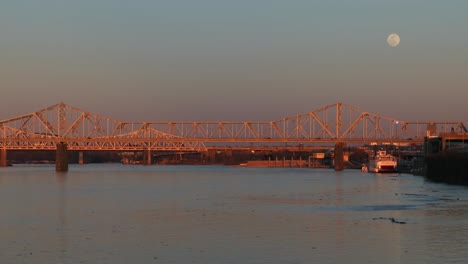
213, 60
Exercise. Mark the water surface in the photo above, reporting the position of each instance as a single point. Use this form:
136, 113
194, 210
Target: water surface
217, 214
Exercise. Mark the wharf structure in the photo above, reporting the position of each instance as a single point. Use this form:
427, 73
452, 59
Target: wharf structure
446, 158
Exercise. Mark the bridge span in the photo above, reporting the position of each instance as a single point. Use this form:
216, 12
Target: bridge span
63, 127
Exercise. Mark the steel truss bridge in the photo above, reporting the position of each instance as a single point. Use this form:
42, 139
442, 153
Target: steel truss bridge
328, 125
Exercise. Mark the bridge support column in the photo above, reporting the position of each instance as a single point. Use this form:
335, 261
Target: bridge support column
3, 158
204, 156
212, 154
228, 157
339, 156
80, 158
149, 160
61, 157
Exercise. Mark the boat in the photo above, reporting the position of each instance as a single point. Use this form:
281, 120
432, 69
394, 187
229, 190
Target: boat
382, 162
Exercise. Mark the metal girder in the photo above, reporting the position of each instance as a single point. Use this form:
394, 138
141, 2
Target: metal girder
324, 125
86, 131
353, 125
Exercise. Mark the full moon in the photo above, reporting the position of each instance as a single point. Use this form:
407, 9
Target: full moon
393, 40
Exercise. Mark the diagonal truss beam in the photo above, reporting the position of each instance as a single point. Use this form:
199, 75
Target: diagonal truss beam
331, 123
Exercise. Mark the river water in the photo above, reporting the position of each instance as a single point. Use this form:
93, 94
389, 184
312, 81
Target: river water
116, 213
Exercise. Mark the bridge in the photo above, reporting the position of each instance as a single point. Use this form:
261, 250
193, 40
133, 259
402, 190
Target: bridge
62, 127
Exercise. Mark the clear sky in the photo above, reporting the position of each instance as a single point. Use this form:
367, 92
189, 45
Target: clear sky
183, 60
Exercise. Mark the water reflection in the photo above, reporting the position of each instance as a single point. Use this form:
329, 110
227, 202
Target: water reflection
62, 215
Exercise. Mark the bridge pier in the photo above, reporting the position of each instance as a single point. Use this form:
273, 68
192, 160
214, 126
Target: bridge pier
204, 156
61, 157
228, 156
212, 154
80, 158
339, 156
148, 160
3, 158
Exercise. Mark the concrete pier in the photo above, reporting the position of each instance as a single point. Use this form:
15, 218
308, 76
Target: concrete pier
61, 157
212, 154
149, 160
3, 158
229, 153
80, 158
339, 156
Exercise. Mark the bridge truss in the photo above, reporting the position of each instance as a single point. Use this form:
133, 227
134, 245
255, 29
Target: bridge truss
81, 130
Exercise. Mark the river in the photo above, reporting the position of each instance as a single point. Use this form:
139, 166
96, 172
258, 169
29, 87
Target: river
113, 213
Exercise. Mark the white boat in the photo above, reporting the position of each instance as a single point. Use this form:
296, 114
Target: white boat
382, 162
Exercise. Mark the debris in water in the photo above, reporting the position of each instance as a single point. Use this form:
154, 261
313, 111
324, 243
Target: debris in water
393, 220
